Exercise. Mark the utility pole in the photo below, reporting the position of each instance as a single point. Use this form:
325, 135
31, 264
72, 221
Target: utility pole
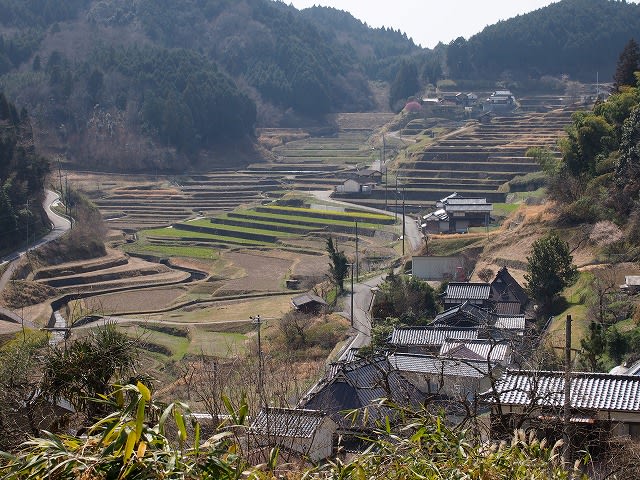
352, 294
386, 174
257, 321
566, 437
357, 260
60, 176
67, 207
404, 230
396, 209
28, 216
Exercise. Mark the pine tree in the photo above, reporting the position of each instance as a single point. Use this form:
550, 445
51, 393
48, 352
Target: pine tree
405, 84
550, 269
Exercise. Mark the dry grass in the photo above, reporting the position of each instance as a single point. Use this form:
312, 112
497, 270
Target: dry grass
511, 243
134, 300
228, 311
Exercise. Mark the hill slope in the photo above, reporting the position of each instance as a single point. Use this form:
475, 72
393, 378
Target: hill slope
575, 37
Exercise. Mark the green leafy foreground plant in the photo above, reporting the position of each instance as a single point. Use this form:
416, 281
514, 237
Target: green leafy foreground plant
131, 443
426, 448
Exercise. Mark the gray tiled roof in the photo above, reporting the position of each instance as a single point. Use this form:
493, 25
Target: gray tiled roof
467, 291
589, 391
358, 384
466, 310
288, 422
470, 313
423, 336
508, 308
485, 348
428, 364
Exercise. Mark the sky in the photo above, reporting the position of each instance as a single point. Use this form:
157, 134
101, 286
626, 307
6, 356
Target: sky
428, 22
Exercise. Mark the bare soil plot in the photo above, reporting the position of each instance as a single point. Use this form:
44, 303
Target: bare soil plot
226, 311
9, 328
262, 272
133, 300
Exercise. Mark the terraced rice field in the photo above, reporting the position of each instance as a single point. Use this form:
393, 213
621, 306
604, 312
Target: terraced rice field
266, 226
477, 159
114, 271
134, 202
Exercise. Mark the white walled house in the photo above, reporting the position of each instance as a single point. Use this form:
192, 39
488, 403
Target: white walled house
309, 433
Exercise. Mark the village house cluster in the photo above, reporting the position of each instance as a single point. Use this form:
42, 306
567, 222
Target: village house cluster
473, 360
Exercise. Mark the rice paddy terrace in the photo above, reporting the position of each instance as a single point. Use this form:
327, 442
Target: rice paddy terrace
474, 160
134, 202
294, 229
477, 159
321, 163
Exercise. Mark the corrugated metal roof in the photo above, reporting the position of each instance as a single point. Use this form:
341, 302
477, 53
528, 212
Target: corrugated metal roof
590, 391
469, 208
428, 364
438, 215
288, 422
633, 280
305, 298
467, 291
509, 322
466, 201
429, 335
487, 349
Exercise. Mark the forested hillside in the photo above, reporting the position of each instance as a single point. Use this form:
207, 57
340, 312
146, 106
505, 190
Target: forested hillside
572, 37
159, 85
152, 84
22, 176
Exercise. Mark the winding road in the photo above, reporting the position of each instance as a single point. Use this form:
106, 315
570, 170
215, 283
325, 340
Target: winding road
59, 226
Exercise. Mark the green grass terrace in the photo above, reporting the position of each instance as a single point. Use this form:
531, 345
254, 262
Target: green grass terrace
259, 227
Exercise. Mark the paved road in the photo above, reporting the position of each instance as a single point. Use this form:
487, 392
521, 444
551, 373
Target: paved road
363, 294
59, 225
362, 301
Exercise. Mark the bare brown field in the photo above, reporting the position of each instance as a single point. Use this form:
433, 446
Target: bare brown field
261, 272
9, 328
225, 311
134, 300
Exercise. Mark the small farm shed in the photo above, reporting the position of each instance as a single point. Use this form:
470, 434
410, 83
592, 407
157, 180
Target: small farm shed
631, 284
309, 433
366, 175
308, 303
354, 186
